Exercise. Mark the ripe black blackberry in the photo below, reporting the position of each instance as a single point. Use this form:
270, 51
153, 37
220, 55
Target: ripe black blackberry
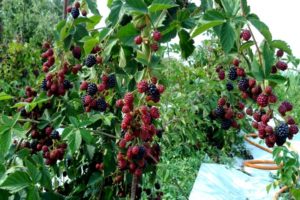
229, 86
44, 85
243, 84
75, 12
157, 186
92, 89
153, 91
33, 144
159, 133
281, 132
226, 124
67, 84
23, 112
54, 135
101, 104
90, 60
232, 74
141, 153
219, 111
112, 81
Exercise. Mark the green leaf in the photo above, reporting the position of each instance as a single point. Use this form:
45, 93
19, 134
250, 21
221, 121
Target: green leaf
231, 7
262, 28
33, 193
74, 121
52, 196
104, 33
205, 25
246, 45
80, 32
116, 12
89, 45
5, 142
279, 44
95, 179
93, 6
126, 34
158, 5
227, 37
94, 20
257, 71
186, 44
33, 171
276, 78
74, 141
16, 181
86, 136
211, 15
109, 47
4, 96
122, 58
268, 55
135, 6
158, 18
245, 7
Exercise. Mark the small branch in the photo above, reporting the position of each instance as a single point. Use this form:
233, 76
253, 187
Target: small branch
106, 134
133, 187
29, 120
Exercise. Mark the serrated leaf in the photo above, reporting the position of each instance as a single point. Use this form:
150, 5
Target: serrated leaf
205, 25
33, 193
86, 136
135, 6
158, 18
158, 5
16, 181
231, 7
268, 56
276, 78
280, 44
109, 47
95, 179
245, 7
116, 12
94, 20
227, 37
33, 171
211, 15
262, 28
5, 142
186, 44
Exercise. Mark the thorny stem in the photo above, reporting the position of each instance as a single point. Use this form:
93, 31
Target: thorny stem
133, 186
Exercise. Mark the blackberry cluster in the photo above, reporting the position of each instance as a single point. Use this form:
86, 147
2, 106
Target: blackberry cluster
101, 104
112, 81
243, 84
229, 86
92, 89
281, 132
232, 74
90, 60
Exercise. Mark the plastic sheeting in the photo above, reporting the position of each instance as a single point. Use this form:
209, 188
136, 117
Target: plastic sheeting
219, 182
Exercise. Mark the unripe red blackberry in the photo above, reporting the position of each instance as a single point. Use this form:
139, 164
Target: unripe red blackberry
46, 45
84, 85
257, 116
269, 129
138, 40
154, 47
262, 100
76, 51
221, 101
290, 120
236, 62
128, 99
160, 88
249, 111
265, 118
268, 90
252, 83
240, 71
293, 129
229, 114
142, 86
279, 53
282, 109
255, 124
69, 9
272, 98
77, 4
221, 74
246, 35
288, 105
156, 35
84, 13
119, 103
154, 112
281, 65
